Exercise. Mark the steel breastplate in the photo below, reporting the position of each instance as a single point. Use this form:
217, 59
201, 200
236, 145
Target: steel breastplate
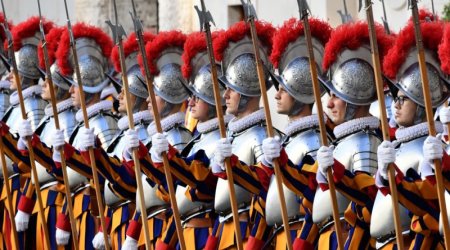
178, 137
11, 118
322, 207
358, 152
247, 146
111, 198
105, 128
186, 206
297, 146
206, 142
382, 220
273, 212
151, 199
408, 155
4, 103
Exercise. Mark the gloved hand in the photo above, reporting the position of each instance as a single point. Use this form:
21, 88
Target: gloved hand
87, 138
159, 145
22, 220
58, 140
271, 148
62, 237
386, 154
24, 129
444, 115
99, 241
432, 148
131, 141
129, 244
325, 159
223, 150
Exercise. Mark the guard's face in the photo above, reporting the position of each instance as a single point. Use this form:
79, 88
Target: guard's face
160, 103
12, 79
75, 96
337, 108
285, 101
232, 99
199, 109
46, 95
405, 110
122, 102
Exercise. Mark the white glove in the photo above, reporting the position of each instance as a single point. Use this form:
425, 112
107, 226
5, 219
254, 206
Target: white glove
159, 145
58, 140
22, 220
432, 148
386, 154
325, 159
99, 241
271, 148
222, 151
24, 129
87, 138
444, 114
62, 237
131, 139
129, 244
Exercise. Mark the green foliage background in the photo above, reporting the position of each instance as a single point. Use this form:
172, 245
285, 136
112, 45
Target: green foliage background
446, 12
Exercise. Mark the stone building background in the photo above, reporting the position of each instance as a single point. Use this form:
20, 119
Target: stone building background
180, 14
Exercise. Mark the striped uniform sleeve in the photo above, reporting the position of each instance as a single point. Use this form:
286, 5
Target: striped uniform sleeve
301, 182
359, 187
19, 157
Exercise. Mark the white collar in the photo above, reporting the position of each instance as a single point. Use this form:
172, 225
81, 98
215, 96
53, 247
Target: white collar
212, 124
354, 125
60, 107
139, 117
297, 125
237, 125
94, 110
405, 134
167, 123
5, 84
30, 91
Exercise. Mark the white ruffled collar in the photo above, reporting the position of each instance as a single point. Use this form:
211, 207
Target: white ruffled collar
60, 107
300, 124
405, 134
5, 84
30, 91
139, 117
167, 123
354, 125
94, 110
237, 125
212, 124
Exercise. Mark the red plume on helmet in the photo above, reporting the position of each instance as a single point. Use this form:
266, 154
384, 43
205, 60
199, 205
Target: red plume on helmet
352, 36
405, 41
52, 39
81, 30
162, 41
291, 30
27, 29
2, 31
195, 43
130, 45
444, 50
238, 31
425, 16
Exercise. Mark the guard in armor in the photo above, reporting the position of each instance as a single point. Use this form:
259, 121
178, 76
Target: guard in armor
26, 37
246, 132
414, 151
302, 140
120, 185
164, 59
94, 48
195, 191
353, 155
48, 175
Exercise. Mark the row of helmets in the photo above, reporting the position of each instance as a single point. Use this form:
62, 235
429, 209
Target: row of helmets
180, 63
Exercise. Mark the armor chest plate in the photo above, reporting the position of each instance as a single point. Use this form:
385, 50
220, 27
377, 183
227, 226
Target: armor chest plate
151, 199
206, 142
186, 206
247, 146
